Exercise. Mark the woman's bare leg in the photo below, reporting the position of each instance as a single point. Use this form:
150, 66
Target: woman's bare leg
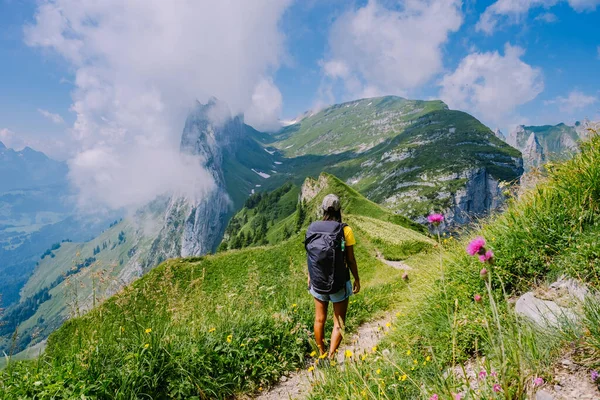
339, 323
320, 318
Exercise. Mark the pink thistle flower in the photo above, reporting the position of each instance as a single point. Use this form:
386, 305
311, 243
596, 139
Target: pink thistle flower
483, 273
494, 374
457, 396
435, 219
482, 374
487, 256
434, 397
538, 381
595, 375
497, 388
477, 298
476, 245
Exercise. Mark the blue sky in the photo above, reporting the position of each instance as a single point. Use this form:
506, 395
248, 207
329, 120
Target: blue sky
537, 64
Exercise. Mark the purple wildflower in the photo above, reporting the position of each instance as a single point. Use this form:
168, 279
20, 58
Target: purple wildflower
476, 246
482, 374
538, 381
595, 375
497, 388
434, 397
487, 256
494, 374
477, 298
435, 219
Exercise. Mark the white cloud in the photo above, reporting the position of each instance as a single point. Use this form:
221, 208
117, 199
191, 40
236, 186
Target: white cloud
375, 50
265, 109
139, 65
547, 17
491, 85
584, 5
56, 118
514, 11
575, 101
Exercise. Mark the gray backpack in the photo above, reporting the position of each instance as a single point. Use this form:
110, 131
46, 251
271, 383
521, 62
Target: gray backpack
326, 257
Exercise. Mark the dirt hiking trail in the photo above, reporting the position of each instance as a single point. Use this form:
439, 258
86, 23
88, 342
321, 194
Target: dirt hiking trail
299, 384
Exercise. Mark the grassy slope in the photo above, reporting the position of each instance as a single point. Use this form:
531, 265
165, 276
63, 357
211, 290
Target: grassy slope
552, 230
352, 203
256, 295
349, 127
76, 292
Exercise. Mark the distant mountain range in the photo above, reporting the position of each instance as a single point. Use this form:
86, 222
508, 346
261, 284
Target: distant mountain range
35, 213
540, 144
414, 157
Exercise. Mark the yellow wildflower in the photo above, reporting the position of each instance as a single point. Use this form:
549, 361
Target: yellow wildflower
146, 345
403, 377
348, 353
408, 352
122, 329
415, 362
311, 369
427, 358
363, 357
211, 330
229, 338
314, 353
242, 345
412, 368
388, 324
322, 356
148, 330
374, 349
294, 305
424, 362
364, 393
378, 371
332, 363
398, 314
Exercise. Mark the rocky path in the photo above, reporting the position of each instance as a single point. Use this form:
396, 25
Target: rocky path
298, 384
571, 381
394, 264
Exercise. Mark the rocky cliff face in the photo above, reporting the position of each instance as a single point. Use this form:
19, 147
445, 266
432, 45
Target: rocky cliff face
481, 194
195, 226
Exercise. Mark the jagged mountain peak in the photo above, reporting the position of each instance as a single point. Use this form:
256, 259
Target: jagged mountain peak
2, 146
499, 134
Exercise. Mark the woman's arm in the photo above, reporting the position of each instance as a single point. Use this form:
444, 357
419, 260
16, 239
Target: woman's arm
351, 261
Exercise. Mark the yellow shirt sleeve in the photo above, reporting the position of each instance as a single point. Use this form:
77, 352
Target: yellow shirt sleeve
349, 236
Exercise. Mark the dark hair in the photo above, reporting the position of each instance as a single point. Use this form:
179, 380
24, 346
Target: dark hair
332, 215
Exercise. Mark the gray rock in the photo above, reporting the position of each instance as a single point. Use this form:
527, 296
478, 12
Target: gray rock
557, 304
543, 395
543, 312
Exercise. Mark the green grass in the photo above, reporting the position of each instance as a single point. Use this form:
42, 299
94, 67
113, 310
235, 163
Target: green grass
552, 230
166, 336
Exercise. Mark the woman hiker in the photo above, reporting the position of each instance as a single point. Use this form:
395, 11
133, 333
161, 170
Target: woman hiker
330, 256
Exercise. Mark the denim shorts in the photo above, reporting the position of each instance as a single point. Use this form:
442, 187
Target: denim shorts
336, 297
